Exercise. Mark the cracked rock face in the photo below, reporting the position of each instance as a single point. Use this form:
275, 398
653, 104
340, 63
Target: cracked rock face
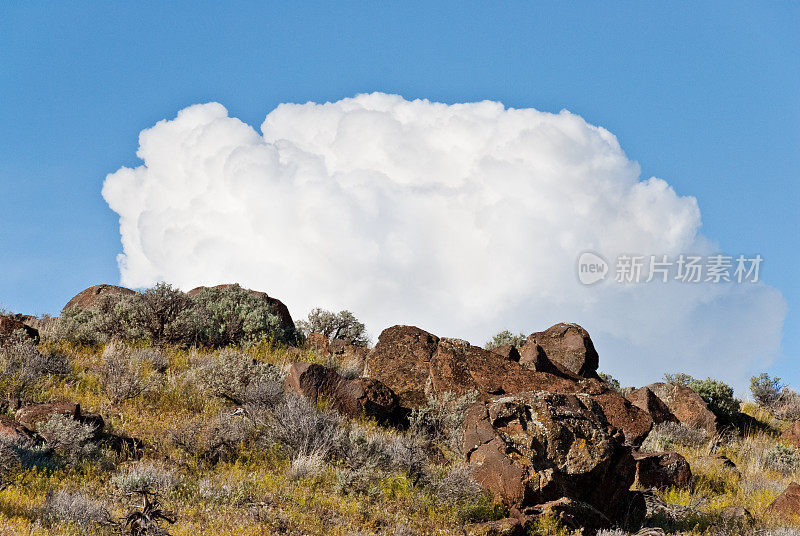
536, 447
416, 364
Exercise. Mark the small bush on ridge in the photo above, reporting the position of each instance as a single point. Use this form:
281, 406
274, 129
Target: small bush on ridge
342, 325
503, 338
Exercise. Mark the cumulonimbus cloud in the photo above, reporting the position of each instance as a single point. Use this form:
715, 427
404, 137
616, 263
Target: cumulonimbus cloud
462, 219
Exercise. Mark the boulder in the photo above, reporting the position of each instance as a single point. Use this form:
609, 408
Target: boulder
662, 470
686, 405
631, 422
533, 448
574, 515
787, 506
32, 416
568, 347
278, 307
90, 298
416, 364
360, 397
9, 324
401, 360
791, 435
647, 400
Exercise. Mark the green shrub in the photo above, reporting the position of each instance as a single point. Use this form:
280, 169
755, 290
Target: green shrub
765, 390
162, 314
146, 477
782, 458
503, 338
236, 376
668, 435
342, 325
233, 315
215, 316
610, 380
75, 507
23, 366
678, 378
112, 318
126, 372
68, 438
780, 400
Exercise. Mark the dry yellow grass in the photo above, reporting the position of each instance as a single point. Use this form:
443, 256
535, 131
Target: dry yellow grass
252, 495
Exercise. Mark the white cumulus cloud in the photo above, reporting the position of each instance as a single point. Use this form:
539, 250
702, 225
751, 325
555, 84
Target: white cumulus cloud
462, 219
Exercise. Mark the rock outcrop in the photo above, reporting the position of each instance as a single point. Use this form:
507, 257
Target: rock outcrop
568, 347
686, 405
415, 364
661, 470
787, 506
90, 297
360, 397
647, 400
534, 448
277, 306
9, 324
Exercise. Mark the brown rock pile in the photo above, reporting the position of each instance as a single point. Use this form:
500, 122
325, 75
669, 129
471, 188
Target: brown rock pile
536, 447
416, 364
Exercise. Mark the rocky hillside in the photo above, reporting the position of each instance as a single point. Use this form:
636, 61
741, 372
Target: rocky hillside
212, 412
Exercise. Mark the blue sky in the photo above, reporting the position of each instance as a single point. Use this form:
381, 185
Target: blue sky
705, 96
